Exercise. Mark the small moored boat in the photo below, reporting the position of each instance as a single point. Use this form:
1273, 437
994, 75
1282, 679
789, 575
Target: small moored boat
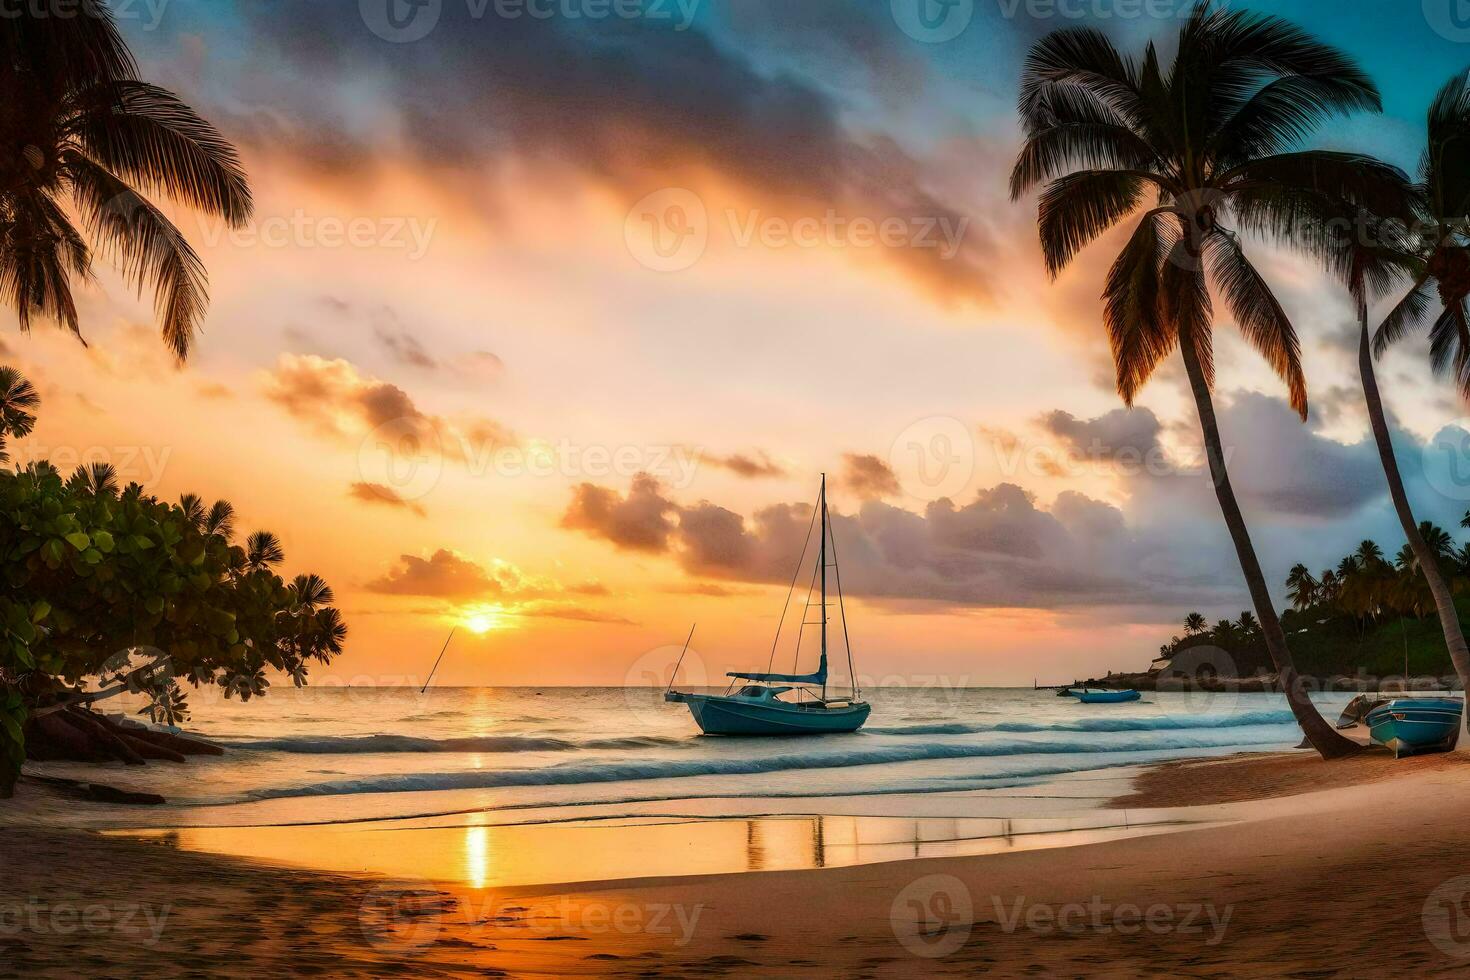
787, 704
1410, 725
1105, 697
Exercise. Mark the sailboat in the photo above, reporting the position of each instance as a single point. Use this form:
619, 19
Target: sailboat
788, 704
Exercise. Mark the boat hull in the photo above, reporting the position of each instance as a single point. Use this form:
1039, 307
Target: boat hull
1412, 725
1105, 697
729, 716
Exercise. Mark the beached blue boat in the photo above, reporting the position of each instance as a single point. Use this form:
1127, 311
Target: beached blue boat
787, 704
1409, 725
1105, 697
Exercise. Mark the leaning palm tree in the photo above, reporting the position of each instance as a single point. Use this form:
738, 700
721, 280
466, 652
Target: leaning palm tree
1383, 253
1192, 146
87, 137
18, 402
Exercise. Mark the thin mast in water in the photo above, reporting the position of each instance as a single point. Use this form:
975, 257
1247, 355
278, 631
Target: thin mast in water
822, 560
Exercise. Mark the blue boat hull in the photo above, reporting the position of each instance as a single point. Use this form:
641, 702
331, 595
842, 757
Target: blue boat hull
733, 716
1106, 697
1412, 725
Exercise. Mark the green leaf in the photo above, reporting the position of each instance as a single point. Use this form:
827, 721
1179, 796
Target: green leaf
78, 540
103, 541
40, 611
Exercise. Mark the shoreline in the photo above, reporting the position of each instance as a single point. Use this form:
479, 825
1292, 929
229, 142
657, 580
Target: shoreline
1333, 880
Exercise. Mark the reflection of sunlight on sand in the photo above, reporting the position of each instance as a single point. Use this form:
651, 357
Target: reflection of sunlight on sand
480, 855
477, 855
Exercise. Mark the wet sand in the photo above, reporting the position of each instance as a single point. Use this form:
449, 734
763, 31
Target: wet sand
1359, 877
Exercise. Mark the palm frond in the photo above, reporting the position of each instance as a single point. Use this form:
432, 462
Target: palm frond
64, 51
1083, 59
1258, 314
18, 403
1352, 179
1184, 302
1077, 208
152, 138
1449, 345
1286, 111
221, 520
193, 507
1445, 168
1407, 314
263, 549
1139, 337
146, 245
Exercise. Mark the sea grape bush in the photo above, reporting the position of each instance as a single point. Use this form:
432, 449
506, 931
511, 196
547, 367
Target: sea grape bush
93, 574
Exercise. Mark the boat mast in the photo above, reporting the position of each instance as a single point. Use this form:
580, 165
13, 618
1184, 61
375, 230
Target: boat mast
822, 559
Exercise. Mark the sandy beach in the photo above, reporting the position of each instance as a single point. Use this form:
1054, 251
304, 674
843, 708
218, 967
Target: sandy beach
1357, 876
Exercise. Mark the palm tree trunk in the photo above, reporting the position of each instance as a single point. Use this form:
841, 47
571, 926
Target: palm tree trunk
1449, 617
1321, 736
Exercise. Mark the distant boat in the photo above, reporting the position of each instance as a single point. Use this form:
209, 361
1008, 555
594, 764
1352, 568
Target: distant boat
1066, 692
758, 708
1105, 697
1410, 725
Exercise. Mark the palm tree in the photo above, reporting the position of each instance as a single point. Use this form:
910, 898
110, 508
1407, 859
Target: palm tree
1247, 624
94, 480
1439, 263
1194, 624
1331, 586
91, 139
1192, 146
18, 402
1301, 588
1368, 554
263, 550
1436, 538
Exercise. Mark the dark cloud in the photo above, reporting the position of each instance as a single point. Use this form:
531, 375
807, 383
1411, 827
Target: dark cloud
335, 399
443, 575
868, 477
1127, 433
752, 466
613, 104
1000, 549
641, 521
377, 493
1284, 467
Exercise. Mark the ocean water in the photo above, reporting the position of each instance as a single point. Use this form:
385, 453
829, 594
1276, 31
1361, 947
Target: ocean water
335, 754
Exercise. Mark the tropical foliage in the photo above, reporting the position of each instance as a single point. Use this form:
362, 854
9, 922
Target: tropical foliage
99, 575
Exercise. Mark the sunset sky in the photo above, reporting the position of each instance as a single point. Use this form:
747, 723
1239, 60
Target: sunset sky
630, 285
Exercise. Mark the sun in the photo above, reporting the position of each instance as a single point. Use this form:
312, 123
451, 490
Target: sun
482, 620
